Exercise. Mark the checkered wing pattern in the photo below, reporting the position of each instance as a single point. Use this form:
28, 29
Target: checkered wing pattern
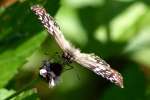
100, 67
52, 27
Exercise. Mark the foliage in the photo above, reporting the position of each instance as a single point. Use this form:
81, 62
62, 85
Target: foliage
116, 30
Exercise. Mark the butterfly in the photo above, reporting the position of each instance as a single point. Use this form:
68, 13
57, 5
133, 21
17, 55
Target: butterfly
72, 54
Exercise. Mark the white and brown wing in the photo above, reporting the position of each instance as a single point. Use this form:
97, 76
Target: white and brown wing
52, 27
100, 67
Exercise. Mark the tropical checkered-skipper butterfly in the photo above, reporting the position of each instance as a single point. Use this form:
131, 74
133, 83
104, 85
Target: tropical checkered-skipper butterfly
70, 53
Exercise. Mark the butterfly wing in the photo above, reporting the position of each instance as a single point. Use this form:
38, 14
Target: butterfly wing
52, 27
100, 67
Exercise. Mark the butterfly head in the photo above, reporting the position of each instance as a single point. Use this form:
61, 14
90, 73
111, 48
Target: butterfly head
51, 72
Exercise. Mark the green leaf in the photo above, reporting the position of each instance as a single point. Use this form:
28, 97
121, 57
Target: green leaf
27, 95
20, 35
11, 60
4, 93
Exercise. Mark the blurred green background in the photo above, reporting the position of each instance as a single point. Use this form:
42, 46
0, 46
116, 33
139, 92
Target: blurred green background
116, 30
